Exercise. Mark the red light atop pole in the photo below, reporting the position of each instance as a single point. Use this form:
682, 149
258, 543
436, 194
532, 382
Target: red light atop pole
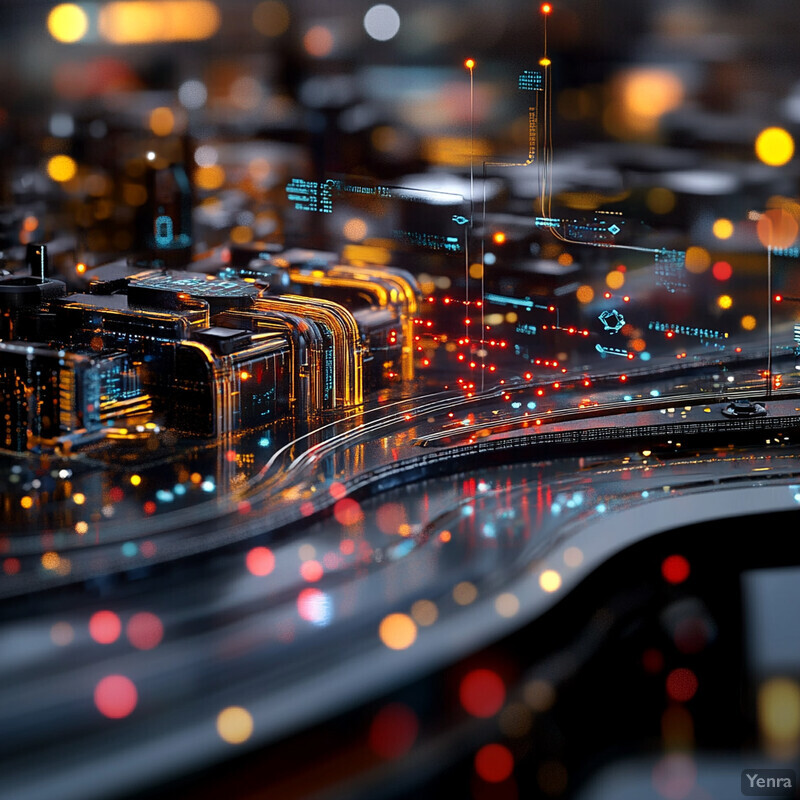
546, 8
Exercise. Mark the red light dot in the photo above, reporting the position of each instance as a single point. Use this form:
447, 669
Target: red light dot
470, 63
778, 298
337, 490
494, 763
348, 512
499, 237
11, 566
681, 684
675, 569
260, 561
311, 571
144, 630
722, 270
105, 627
115, 696
482, 693
653, 660
116, 494
306, 508
347, 547
393, 731
623, 378
149, 507
546, 8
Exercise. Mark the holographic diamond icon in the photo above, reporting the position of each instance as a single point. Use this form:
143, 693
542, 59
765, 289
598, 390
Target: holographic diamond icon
615, 229
612, 320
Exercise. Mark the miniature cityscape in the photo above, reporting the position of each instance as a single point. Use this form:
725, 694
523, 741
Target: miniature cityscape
398, 417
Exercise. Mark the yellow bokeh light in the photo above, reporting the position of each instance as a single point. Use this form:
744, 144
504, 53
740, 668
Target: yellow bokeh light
476, 271
209, 178
67, 23
162, 121
397, 631
465, 593
777, 228
774, 146
50, 560
355, 229
698, 260
506, 604
143, 21
647, 94
550, 580
234, 724
660, 200
779, 711
722, 228
241, 234
748, 322
615, 279
135, 480
424, 612
271, 18
724, 301
585, 294
62, 168
26, 501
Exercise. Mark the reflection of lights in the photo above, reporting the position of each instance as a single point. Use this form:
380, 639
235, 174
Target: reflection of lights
779, 711
647, 94
143, 21
162, 121
318, 41
725, 301
722, 228
144, 630
748, 322
722, 270
465, 593
681, 685
697, 260
774, 146
234, 724
382, 22
393, 731
550, 580
271, 18
424, 612
506, 604
482, 693
115, 696
67, 23
62, 168
315, 607
192, 94
494, 762
105, 627
260, 561
397, 631
675, 569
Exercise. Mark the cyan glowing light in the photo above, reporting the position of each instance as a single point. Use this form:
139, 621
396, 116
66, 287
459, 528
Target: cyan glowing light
129, 549
208, 485
655, 393
531, 405
164, 496
601, 508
